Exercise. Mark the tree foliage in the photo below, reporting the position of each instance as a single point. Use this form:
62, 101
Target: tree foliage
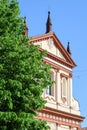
23, 75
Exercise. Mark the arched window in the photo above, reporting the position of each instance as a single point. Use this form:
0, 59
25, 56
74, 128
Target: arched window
64, 87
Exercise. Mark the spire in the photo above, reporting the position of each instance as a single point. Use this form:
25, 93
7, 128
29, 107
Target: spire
48, 24
26, 27
68, 48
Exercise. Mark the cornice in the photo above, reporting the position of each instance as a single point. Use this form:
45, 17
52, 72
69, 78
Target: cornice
62, 114
58, 59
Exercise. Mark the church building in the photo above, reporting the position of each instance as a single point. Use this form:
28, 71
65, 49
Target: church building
61, 110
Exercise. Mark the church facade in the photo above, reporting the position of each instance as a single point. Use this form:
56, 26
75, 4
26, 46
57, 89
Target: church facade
61, 110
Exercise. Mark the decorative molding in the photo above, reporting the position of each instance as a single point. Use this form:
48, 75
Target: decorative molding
51, 98
64, 75
64, 99
62, 114
60, 118
50, 43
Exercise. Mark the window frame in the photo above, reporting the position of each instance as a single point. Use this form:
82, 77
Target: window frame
64, 87
51, 89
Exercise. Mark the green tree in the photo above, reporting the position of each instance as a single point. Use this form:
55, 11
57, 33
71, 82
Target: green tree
23, 75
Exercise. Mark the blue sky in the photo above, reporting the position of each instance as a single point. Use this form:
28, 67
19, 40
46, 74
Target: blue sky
69, 22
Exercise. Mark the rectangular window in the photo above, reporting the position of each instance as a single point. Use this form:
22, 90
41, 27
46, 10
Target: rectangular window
50, 89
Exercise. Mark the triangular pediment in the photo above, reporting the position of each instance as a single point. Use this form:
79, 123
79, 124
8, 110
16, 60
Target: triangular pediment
54, 47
